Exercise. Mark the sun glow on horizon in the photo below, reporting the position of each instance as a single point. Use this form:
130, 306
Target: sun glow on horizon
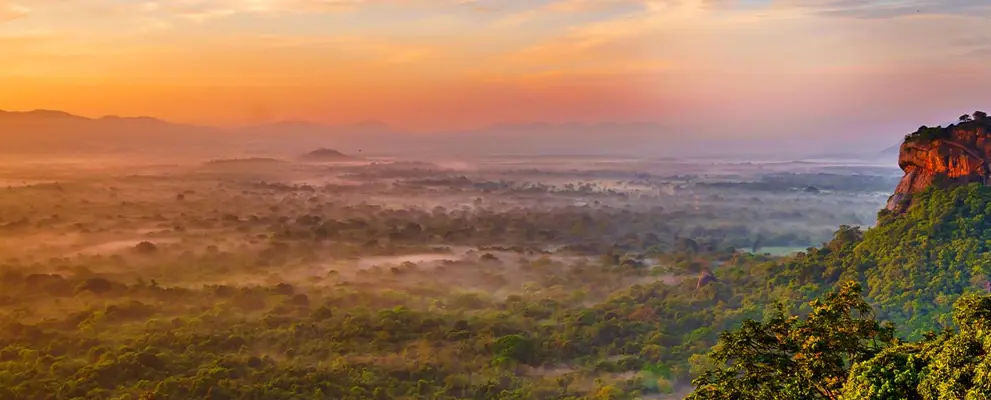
447, 64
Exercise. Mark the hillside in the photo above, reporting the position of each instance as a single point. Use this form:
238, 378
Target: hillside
904, 307
913, 266
927, 249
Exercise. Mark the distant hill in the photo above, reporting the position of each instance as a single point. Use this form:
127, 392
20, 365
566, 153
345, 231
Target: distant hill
48, 131
245, 161
327, 155
891, 151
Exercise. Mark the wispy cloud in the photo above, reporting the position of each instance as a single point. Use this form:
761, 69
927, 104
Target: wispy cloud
23, 40
353, 47
975, 46
784, 36
879, 9
542, 11
744, 57
11, 11
204, 10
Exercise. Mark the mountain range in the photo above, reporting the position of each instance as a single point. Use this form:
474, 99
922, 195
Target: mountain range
43, 131
50, 131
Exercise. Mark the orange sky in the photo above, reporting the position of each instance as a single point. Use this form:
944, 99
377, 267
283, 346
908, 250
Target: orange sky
445, 64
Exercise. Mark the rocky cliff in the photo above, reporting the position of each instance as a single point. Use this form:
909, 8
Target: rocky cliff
943, 157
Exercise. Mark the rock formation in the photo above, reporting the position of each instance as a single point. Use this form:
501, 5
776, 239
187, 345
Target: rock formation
943, 157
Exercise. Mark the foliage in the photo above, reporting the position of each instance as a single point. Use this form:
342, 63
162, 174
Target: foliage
919, 269
913, 266
928, 134
282, 291
852, 358
788, 357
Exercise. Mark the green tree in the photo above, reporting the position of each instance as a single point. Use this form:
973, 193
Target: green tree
958, 367
892, 374
514, 347
947, 366
788, 357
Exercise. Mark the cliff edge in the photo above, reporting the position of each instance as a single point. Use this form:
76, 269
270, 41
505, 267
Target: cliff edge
943, 157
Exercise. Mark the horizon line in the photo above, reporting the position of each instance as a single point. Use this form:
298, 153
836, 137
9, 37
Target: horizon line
316, 123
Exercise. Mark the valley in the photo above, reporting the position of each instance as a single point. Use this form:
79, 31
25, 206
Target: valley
495, 277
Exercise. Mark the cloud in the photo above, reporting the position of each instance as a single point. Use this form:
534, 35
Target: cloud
200, 10
879, 9
587, 5
352, 46
978, 46
161, 14
152, 24
633, 36
26, 40
984, 51
11, 11
540, 12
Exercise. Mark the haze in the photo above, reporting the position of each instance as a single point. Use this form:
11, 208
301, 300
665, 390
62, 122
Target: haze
498, 200
811, 75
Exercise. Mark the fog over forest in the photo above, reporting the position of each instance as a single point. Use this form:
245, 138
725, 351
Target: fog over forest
224, 272
495, 200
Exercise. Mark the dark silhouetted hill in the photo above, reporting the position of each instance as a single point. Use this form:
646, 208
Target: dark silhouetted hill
326, 155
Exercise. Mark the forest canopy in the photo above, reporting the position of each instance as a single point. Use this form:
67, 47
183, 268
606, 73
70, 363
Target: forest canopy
269, 280
839, 351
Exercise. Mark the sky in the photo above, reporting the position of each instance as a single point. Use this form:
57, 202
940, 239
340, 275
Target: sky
764, 68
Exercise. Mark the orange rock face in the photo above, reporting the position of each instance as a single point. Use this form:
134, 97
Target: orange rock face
963, 157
